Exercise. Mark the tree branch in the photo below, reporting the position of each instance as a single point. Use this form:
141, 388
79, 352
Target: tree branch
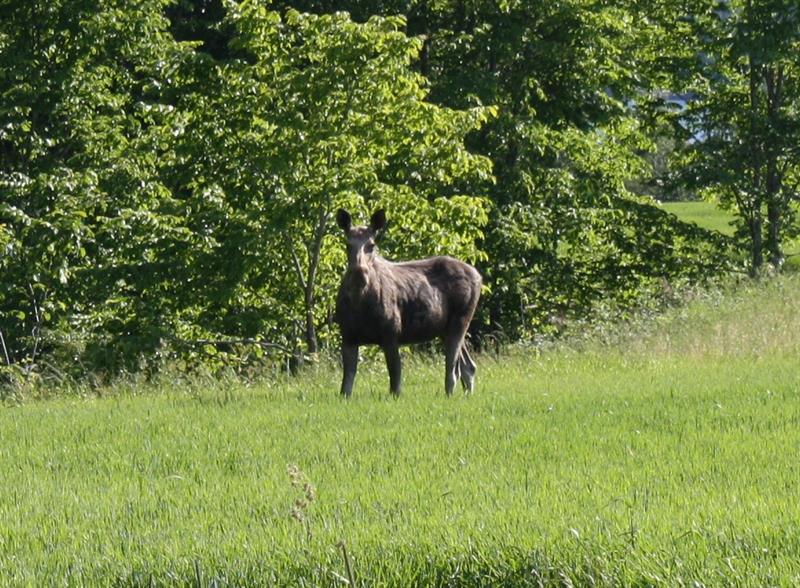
297, 267
5, 349
36, 332
315, 248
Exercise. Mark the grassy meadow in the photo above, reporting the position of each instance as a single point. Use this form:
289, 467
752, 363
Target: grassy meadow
709, 216
704, 214
669, 457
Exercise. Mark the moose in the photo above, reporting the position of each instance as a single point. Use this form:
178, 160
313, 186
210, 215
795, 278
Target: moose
390, 304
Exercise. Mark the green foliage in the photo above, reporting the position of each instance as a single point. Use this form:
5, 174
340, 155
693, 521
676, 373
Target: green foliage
326, 114
156, 201
565, 235
171, 200
83, 210
741, 125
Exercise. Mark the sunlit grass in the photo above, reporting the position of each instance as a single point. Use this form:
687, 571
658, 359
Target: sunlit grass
704, 214
708, 215
668, 458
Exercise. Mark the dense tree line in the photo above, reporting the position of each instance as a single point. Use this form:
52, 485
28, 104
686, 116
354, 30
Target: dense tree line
170, 169
742, 127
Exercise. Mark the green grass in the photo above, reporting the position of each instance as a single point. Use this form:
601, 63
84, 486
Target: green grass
704, 214
708, 215
669, 458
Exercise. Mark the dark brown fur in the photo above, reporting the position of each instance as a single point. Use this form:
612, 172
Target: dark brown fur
390, 304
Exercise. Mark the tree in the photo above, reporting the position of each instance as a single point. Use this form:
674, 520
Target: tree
565, 235
327, 113
742, 124
161, 199
565, 77
83, 125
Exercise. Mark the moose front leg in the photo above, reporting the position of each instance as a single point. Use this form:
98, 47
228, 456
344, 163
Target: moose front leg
349, 365
392, 353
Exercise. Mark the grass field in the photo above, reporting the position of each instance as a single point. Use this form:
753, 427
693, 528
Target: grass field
709, 216
669, 458
704, 214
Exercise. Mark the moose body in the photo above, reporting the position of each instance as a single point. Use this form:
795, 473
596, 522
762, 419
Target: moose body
390, 304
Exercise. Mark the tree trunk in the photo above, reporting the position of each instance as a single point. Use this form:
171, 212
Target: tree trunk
774, 214
756, 163
314, 251
311, 331
774, 234
756, 253
773, 77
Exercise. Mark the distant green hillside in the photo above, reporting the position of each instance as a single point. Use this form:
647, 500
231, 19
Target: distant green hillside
709, 216
704, 214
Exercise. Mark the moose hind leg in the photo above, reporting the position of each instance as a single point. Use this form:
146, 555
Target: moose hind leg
468, 369
452, 345
349, 365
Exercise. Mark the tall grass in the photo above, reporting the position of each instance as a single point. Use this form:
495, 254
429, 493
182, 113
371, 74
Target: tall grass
667, 458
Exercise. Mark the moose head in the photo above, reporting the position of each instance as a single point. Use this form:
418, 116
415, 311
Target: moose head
361, 242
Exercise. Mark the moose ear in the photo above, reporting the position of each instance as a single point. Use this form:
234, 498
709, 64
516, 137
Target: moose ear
377, 221
343, 219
